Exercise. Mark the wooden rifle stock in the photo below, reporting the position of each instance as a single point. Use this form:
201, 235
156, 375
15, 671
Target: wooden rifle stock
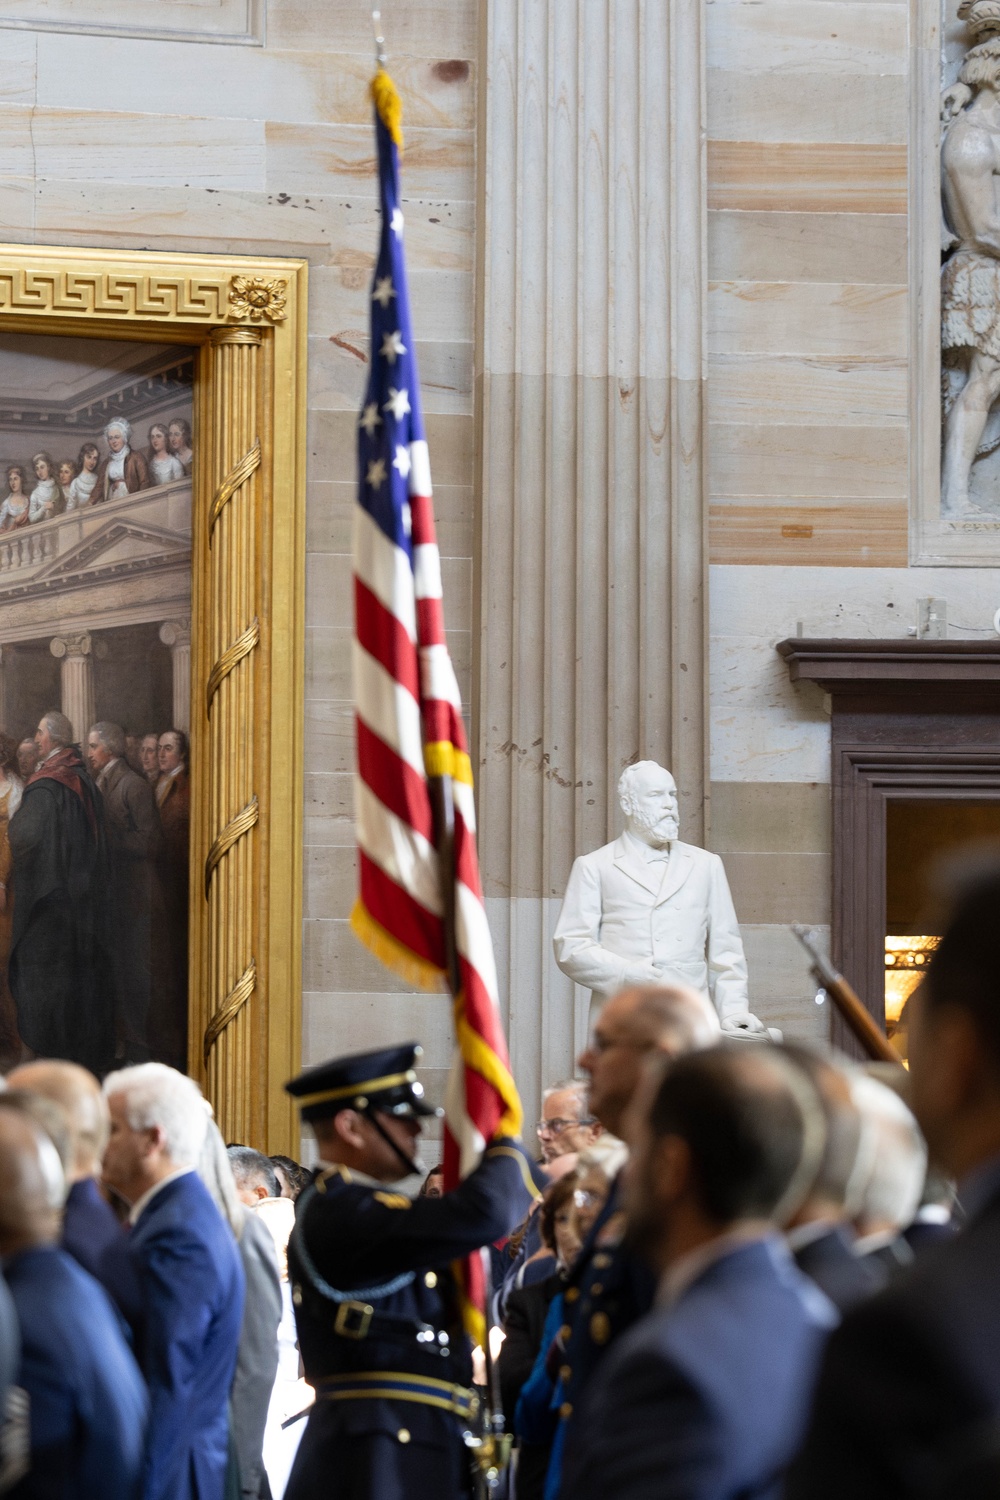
860, 1020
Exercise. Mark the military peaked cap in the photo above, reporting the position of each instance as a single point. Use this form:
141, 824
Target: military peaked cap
385, 1080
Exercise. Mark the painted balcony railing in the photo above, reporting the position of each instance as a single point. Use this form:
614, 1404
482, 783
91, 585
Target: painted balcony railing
33, 550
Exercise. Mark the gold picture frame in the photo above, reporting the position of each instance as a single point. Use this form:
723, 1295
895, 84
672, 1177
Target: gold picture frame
246, 318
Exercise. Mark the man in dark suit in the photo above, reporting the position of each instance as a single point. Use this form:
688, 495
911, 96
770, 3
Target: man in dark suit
375, 1298
134, 837
820, 1235
609, 1286
91, 1232
706, 1397
189, 1274
87, 1401
173, 804
59, 962
928, 1344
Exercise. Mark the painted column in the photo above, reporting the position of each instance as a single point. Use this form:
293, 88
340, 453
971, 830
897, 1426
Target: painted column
177, 635
592, 520
74, 652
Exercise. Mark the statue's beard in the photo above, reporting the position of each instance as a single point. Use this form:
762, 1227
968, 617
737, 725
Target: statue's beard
657, 830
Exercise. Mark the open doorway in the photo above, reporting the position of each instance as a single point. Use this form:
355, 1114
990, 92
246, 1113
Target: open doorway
923, 838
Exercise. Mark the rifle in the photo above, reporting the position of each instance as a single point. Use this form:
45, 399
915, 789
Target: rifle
860, 1021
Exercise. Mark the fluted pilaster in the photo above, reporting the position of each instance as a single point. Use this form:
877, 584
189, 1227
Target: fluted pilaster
592, 521
225, 1046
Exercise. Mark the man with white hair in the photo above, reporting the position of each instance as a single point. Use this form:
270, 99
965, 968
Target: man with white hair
890, 1170
59, 963
190, 1275
647, 909
124, 471
566, 1127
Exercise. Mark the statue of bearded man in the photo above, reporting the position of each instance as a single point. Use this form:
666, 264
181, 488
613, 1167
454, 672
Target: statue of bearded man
648, 909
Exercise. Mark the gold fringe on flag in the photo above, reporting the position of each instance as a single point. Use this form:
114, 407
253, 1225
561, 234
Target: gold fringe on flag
410, 967
441, 758
479, 1055
386, 99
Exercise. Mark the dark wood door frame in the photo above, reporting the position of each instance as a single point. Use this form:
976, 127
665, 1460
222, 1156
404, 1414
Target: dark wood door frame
911, 720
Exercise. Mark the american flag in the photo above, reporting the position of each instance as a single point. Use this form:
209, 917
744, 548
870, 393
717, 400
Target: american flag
420, 905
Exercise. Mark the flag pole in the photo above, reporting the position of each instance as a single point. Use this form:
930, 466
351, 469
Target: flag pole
381, 56
443, 811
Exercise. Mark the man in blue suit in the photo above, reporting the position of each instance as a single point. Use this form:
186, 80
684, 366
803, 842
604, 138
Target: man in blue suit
190, 1278
928, 1345
706, 1397
87, 1401
91, 1233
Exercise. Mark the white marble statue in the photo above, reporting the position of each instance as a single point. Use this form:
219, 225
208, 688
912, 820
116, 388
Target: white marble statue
970, 277
647, 909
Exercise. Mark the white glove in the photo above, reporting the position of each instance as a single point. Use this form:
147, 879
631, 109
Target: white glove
742, 1023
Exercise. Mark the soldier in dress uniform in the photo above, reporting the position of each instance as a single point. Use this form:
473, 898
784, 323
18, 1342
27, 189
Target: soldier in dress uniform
376, 1303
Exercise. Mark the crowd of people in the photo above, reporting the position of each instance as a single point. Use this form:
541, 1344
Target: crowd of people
51, 487
737, 1269
147, 1338
94, 895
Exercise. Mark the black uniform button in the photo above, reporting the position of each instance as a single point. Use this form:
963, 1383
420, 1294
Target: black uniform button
430, 1280
403, 1434
572, 1294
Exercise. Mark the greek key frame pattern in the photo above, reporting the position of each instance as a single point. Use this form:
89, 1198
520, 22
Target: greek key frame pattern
111, 294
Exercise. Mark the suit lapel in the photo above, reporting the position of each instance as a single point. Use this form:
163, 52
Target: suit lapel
679, 867
648, 876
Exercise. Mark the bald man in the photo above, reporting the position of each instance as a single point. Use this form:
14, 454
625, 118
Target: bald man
609, 1286
91, 1233
88, 1404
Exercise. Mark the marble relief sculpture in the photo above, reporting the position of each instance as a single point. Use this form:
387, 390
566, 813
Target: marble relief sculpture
648, 909
970, 277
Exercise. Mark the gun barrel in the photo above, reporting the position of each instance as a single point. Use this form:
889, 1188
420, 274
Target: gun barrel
858, 1017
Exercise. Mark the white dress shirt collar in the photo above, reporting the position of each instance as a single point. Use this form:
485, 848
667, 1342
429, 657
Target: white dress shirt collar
141, 1204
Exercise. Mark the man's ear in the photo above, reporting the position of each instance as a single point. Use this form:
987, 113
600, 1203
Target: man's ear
671, 1168
155, 1140
348, 1126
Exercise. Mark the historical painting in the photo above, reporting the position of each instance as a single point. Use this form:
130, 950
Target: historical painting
95, 688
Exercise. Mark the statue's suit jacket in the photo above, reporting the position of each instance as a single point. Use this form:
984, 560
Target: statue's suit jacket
619, 911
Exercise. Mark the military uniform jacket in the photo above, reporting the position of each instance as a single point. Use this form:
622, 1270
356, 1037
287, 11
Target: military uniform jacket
609, 1289
385, 1426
